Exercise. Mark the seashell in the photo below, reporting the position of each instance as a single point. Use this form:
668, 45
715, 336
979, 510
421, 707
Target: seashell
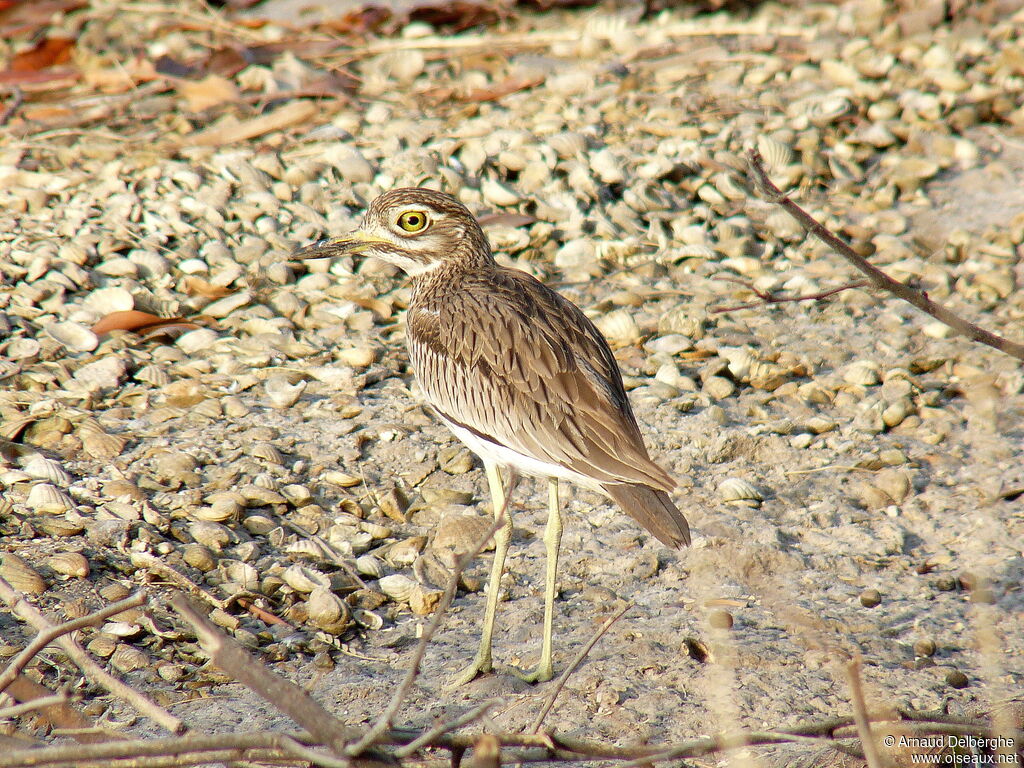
368, 565
496, 193
303, 579
424, 600
357, 357
218, 511
306, 548
20, 575
58, 527
368, 619
327, 611
126, 658
197, 340
376, 530
736, 489
105, 373
297, 495
210, 534
619, 327
70, 564
281, 393
103, 645
398, 587
42, 468
22, 349
568, 144
461, 533
267, 452
75, 337
48, 499
103, 301
199, 557
607, 167
828, 110
122, 629
863, 373
99, 444
153, 374
243, 574
776, 154
405, 552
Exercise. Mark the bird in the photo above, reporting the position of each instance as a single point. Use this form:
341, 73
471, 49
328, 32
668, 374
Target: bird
519, 374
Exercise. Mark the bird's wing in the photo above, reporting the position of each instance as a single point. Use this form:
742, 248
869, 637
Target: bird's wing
520, 366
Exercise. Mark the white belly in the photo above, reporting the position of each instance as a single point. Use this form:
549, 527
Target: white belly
526, 465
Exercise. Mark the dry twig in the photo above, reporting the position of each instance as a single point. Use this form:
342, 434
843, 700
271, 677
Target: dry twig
142, 704
876, 277
770, 298
549, 702
386, 719
43, 639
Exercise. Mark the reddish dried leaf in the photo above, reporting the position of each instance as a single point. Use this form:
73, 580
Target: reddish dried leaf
196, 286
49, 52
211, 91
23, 20
140, 322
42, 80
504, 88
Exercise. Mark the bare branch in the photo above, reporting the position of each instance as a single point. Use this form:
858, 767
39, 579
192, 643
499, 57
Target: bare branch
283, 694
43, 639
143, 704
770, 298
877, 277
386, 719
860, 715
564, 677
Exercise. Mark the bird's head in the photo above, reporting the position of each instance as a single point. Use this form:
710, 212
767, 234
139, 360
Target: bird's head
415, 229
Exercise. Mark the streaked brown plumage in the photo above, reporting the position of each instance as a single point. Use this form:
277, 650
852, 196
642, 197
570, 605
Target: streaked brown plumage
517, 371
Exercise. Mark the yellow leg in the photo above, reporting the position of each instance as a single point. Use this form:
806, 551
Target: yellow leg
552, 542
482, 662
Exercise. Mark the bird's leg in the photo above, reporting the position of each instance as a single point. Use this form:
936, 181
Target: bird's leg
499, 499
552, 542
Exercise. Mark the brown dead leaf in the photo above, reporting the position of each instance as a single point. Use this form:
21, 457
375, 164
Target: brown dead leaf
141, 322
42, 80
196, 286
504, 88
23, 20
48, 52
212, 90
293, 113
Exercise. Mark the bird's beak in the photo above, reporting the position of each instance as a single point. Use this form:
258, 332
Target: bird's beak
354, 242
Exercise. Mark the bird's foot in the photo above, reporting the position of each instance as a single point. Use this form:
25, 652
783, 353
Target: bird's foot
541, 674
481, 665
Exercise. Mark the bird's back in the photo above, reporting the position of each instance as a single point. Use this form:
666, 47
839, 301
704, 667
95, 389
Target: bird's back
504, 356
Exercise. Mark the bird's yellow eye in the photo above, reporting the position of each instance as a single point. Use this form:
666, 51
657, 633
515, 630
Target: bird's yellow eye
413, 221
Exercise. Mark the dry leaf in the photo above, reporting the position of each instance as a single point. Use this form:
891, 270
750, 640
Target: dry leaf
141, 322
48, 52
290, 114
212, 90
196, 286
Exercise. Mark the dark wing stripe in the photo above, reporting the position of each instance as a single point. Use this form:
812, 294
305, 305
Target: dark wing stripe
510, 360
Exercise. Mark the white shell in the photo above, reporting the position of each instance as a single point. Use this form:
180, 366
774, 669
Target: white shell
48, 499
398, 587
74, 336
42, 468
303, 579
738, 489
282, 394
619, 327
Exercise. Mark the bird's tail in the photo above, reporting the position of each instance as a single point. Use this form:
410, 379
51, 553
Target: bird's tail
653, 509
